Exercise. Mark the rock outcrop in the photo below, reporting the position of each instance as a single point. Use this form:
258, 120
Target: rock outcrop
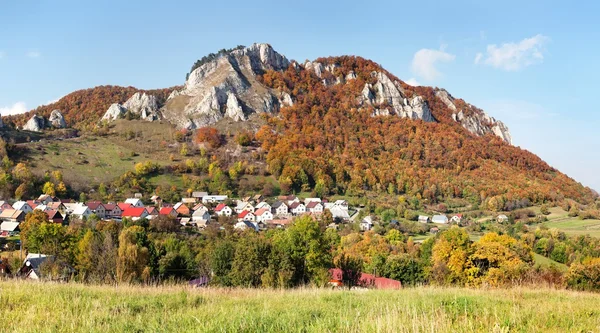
386, 92
144, 105
57, 120
114, 112
477, 121
227, 87
35, 124
141, 104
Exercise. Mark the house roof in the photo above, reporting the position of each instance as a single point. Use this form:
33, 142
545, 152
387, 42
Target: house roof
200, 212
243, 214
281, 221
260, 212
53, 214
19, 204
277, 204
199, 194
312, 204
166, 211
152, 210
439, 218
423, 217
188, 200
54, 205
10, 214
9, 226
93, 205
220, 207
133, 201
110, 207
81, 210
369, 280
294, 204
198, 206
124, 205
134, 212
33, 203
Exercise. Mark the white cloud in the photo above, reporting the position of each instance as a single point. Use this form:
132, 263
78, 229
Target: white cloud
514, 56
413, 82
17, 108
425, 60
33, 54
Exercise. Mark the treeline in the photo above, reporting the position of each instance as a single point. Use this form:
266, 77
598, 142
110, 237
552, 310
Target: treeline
212, 56
308, 148
160, 250
85, 107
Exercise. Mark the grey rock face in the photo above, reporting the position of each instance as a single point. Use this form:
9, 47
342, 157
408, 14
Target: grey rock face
35, 124
480, 123
114, 112
143, 104
387, 92
57, 120
227, 87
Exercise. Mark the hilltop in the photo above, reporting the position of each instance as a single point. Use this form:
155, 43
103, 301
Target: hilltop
334, 126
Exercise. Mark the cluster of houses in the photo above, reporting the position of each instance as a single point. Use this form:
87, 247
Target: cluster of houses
198, 210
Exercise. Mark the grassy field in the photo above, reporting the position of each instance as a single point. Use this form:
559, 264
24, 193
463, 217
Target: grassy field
575, 227
44, 307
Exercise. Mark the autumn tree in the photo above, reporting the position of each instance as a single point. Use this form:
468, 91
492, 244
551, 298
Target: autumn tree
208, 135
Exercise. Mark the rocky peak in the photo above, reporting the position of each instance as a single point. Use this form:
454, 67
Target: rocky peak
386, 92
477, 122
144, 105
57, 120
114, 112
35, 124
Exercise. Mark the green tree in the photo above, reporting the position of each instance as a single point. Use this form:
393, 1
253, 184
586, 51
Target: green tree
133, 255
351, 268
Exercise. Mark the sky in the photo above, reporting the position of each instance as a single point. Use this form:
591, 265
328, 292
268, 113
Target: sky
531, 64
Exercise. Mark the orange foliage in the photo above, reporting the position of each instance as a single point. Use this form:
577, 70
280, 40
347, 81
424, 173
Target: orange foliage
208, 135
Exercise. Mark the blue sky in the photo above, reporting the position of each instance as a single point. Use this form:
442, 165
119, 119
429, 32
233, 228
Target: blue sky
531, 64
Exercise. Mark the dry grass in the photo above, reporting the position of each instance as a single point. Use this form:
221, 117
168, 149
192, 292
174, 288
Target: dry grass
47, 307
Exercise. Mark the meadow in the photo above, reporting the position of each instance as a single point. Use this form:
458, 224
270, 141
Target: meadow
49, 307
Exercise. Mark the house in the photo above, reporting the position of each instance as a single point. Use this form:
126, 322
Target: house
9, 228
124, 206
152, 211
23, 206
189, 201
502, 218
314, 207
55, 216
439, 219
246, 216
59, 206
263, 204
223, 210
135, 213
182, 209
96, 207
434, 230
280, 223
365, 280
45, 199
156, 199
135, 202
41, 207
366, 224
112, 211
279, 208
343, 204
12, 215
257, 198
138, 195
263, 215
214, 198
184, 221
309, 200
201, 217
33, 263
81, 212
338, 213
70, 207
4, 205
243, 225
424, 219
243, 205
198, 206
199, 195
288, 199
33, 203
456, 218
297, 208
168, 211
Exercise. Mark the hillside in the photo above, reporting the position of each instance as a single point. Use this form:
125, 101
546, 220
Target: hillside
175, 309
333, 126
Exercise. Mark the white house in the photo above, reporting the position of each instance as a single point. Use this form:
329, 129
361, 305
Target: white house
223, 210
81, 211
314, 207
243, 225
439, 219
263, 215
338, 212
456, 218
45, 199
297, 208
366, 224
214, 198
135, 202
246, 216
279, 208
22, 205
201, 217
309, 200
423, 218
243, 205
263, 204
502, 218
343, 204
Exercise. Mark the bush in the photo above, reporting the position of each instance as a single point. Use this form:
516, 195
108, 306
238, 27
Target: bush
585, 276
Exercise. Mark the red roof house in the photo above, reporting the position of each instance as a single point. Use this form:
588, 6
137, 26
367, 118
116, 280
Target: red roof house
366, 280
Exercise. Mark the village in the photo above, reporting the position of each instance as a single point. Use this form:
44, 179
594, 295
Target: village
199, 211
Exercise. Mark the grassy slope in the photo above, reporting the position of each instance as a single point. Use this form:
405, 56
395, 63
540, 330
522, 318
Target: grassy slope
37, 307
